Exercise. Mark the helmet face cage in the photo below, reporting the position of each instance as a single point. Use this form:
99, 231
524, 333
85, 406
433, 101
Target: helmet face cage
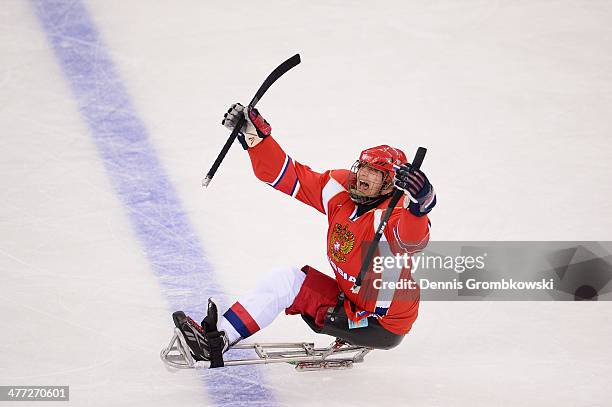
357, 196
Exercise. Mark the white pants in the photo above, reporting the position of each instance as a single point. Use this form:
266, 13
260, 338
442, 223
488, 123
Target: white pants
258, 308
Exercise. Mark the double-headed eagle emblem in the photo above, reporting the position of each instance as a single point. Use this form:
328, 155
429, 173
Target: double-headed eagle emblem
341, 242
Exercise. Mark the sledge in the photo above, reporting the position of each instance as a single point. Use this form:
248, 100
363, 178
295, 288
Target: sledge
304, 355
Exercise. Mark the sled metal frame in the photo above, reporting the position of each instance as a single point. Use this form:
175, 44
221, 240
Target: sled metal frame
304, 355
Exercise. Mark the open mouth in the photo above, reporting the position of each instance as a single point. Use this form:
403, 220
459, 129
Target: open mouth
363, 185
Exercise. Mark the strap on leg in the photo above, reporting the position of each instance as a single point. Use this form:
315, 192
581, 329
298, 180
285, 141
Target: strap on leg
216, 344
213, 336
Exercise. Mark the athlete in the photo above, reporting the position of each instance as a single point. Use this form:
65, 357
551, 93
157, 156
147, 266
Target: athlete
353, 201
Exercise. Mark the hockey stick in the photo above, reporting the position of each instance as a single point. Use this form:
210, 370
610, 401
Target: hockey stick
397, 194
277, 73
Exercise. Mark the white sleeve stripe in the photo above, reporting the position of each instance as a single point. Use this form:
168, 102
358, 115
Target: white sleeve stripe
331, 189
406, 246
282, 172
297, 188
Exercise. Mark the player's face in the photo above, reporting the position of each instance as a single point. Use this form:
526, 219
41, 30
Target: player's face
369, 181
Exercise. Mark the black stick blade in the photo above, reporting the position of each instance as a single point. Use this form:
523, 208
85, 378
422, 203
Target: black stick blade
274, 75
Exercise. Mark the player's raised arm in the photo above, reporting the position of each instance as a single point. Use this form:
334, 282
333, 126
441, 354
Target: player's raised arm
271, 164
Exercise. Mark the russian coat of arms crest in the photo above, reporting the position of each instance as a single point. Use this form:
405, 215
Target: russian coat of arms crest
341, 242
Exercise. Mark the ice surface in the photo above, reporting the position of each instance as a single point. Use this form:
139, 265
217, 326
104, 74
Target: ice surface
511, 98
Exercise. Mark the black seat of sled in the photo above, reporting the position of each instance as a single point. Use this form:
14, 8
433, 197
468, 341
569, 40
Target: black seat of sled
372, 336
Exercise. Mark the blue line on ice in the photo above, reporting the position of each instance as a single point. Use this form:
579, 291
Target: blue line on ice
154, 209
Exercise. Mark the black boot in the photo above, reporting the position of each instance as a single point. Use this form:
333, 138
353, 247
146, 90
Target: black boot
205, 341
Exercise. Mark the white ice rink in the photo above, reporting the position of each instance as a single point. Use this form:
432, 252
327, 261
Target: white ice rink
513, 100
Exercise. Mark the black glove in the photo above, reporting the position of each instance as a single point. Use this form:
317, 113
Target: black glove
420, 195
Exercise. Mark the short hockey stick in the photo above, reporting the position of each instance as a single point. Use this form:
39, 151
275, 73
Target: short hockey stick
397, 194
277, 73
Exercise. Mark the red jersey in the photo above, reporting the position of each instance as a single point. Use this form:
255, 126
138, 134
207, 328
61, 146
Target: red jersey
328, 193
